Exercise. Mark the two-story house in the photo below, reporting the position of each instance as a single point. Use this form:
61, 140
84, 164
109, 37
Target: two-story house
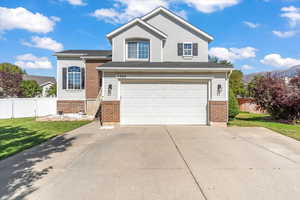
157, 73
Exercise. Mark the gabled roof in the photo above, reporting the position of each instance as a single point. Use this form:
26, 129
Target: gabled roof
136, 20
41, 80
176, 17
107, 53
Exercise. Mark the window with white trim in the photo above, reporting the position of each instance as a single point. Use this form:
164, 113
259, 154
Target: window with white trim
187, 49
138, 50
74, 78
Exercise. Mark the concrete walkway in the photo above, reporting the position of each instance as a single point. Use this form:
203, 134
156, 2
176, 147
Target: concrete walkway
161, 163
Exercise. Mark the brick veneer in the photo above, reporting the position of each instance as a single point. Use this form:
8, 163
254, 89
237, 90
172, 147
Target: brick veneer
110, 111
70, 106
93, 78
218, 111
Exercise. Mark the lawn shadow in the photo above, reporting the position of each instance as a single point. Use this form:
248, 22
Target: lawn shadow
258, 118
17, 172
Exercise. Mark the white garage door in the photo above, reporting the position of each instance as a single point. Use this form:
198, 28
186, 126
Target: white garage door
163, 103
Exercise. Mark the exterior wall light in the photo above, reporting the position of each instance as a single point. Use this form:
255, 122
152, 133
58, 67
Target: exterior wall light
109, 90
219, 89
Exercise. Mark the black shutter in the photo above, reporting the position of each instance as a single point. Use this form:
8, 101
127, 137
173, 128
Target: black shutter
82, 78
64, 78
180, 49
195, 49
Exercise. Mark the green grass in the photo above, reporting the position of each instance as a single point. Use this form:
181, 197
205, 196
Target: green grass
19, 134
264, 120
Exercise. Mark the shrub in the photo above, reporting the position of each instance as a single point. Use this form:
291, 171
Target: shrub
233, 109
30, 88
10, 84
280, 100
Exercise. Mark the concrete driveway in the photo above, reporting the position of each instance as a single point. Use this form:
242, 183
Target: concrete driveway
156, 163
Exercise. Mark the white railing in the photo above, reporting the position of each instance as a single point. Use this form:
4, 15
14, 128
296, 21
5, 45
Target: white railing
98, 101
27, 107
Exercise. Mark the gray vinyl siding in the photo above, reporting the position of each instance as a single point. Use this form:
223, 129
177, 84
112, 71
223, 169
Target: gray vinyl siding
68, 94
213, 78
136, 32
178, 33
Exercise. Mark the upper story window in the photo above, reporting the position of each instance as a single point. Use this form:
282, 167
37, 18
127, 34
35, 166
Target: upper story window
74, 77
187, 49
138, 50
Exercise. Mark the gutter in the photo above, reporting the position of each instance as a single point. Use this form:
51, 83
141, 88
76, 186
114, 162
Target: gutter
141, 69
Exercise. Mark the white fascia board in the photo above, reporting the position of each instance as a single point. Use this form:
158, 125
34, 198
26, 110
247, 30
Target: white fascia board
179, 19
137, 20
69, 54
95, 57
111, 69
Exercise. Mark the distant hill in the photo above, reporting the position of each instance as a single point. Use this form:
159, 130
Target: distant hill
290, 72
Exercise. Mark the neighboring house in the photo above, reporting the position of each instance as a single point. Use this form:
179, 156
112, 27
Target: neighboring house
157, 73
45, 82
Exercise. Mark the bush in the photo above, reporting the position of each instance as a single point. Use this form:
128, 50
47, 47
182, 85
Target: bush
233, 109
280, 100
10, 84
30, 88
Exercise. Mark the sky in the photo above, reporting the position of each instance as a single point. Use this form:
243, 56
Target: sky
255, 35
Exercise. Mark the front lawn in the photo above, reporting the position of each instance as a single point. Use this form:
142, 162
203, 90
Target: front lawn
263, 120
19, 134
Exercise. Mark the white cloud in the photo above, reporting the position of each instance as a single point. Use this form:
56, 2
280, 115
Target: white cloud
233, 54
20, 18
251, 24
44, 43
277, 60
292, 14
285, 34
76, 2
209, 6
125, 10
32, 62
247, 67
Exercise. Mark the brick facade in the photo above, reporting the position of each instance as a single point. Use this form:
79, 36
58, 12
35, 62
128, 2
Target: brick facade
93, 80
218, 111
110, 111
249, 105
70, 106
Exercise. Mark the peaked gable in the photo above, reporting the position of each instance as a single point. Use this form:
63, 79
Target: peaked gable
133, 22
178, 19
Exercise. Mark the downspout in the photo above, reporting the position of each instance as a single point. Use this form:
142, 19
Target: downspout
228, 77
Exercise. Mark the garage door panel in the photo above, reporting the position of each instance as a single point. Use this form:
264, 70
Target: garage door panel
163, 103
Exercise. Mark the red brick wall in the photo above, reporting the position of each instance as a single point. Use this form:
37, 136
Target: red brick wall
110, 111
93, 78
249, 105
70, 106
218, 111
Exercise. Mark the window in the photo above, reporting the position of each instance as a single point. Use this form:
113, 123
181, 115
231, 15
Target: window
187, 49
74, 78
138, 50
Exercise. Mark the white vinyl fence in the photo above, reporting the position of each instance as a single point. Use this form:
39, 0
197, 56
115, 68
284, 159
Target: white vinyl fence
27, 107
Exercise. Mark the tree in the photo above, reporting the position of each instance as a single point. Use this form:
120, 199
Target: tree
236, 83
233, 107
30, 88
282, 101
252, 84
10, 84
51, 92
7, 67
216, 60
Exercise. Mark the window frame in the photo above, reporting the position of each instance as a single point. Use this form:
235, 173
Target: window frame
137, 52
183, 49
74, 82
